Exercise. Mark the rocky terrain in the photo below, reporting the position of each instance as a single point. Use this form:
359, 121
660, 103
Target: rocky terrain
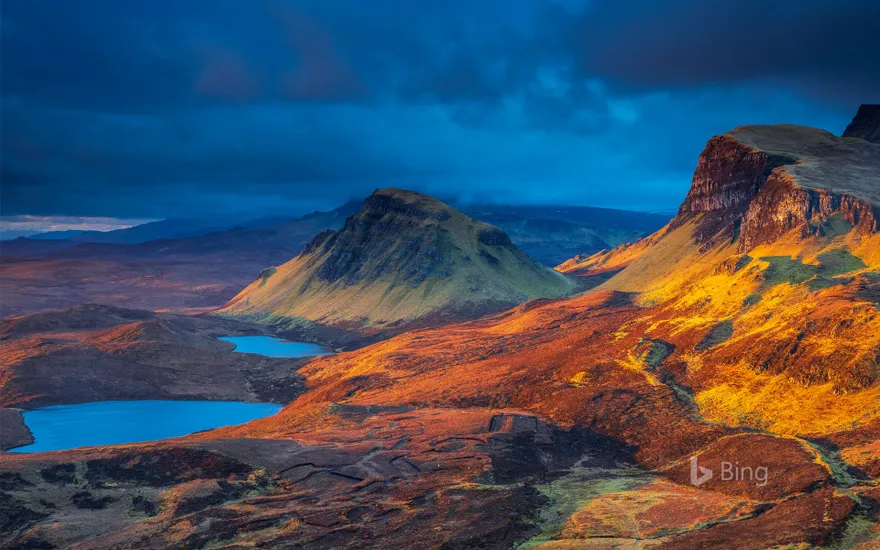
866, 124
102, 353
405, 260
559, 423
13, 431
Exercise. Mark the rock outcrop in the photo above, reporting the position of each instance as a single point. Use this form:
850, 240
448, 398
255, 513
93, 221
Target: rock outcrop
756, 183
728, 176
866, 124
782, 205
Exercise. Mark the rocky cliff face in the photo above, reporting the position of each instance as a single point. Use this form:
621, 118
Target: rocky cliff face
782, 206
728, 177
756, 183
866, 124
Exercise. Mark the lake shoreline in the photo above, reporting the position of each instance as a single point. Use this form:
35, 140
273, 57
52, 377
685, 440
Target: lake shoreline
103, 423
14, 431
270, 346
59, 357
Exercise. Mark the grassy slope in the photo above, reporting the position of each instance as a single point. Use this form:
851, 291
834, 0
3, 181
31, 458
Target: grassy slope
804, 344
476, 282
793, 288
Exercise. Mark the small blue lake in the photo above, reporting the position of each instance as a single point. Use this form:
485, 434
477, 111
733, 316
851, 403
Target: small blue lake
275, 347
61, 427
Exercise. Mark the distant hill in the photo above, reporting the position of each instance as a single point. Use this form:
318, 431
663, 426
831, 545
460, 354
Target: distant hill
196, 272
161, 229
172, 228
406, 259
552, 234
25, 246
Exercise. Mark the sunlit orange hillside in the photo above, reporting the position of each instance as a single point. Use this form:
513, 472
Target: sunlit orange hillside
755, 309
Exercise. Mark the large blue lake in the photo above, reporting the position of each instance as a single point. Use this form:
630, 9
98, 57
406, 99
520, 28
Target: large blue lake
62, 427
275, 347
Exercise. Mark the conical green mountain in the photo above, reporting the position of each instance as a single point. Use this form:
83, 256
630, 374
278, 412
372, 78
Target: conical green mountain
404, 260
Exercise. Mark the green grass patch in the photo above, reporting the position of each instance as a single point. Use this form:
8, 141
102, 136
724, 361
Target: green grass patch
751, 300
266, 273
743, 261
838, 262
719, 334
570, 493
835, 226
783, 269
657, 352
820, 282
858, 530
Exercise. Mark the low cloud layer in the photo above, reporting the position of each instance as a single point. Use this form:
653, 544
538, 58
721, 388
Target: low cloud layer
24, 225
170, 108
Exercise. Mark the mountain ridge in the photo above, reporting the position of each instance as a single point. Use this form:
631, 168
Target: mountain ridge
403, 259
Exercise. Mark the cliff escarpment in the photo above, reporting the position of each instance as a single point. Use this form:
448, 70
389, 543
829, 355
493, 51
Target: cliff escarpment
866, 124
782, 205
756, 183
772, 264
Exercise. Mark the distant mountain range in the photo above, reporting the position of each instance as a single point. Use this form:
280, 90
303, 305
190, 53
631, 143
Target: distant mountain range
172, 228
553, 234
180, 274
153, 267
549, 234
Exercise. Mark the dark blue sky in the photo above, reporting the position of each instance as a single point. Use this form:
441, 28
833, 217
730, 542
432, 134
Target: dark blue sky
173, 107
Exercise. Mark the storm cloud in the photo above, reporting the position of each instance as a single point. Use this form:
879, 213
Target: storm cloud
170, 108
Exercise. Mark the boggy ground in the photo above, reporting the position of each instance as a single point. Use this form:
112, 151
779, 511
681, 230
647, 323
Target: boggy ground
368, 477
